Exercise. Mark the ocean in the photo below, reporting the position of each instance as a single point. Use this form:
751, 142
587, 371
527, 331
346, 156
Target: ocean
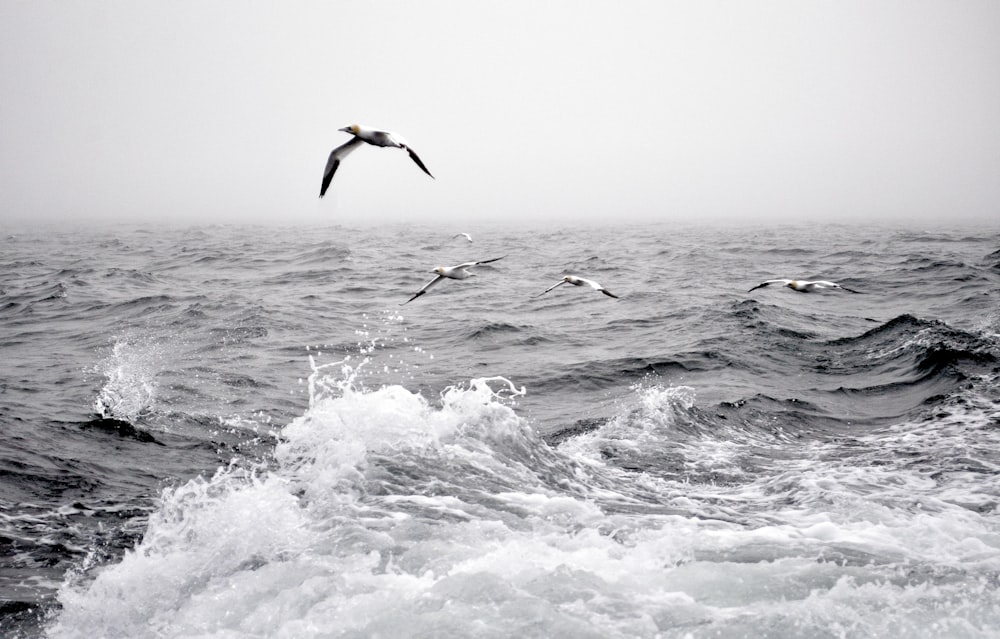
228, 431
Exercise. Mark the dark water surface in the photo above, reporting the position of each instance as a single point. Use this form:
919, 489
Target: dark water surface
239, 432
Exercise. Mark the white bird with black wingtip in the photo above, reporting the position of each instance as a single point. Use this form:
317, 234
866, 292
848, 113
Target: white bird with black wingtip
372, 136
579, 281
457, 272
804, 286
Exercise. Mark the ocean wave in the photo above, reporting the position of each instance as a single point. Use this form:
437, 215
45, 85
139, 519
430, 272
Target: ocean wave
386, 514
902, 365
240, 334
120, 428
757, 315
508, 335
145, 306
932, 346
690, 459
47, 292
326, 253
131, 276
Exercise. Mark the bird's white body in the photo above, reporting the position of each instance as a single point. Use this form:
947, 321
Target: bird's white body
459, 272
375, 136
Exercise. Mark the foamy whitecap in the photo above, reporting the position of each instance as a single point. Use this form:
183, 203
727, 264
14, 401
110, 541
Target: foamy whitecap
387, 514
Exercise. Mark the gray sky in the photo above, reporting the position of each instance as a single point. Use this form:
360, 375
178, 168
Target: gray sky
226, 111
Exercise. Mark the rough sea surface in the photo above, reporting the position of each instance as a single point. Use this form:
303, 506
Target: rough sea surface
240, 432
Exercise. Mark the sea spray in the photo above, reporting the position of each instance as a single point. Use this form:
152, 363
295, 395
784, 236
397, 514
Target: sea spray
129, 390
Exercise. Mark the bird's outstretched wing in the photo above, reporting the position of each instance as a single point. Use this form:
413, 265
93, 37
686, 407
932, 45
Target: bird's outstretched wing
416, 159
424, 289
333, 162
827, 284
471, 264
849, 290
562, 281
597, 287
768, 283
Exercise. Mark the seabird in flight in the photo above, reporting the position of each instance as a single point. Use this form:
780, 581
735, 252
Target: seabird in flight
459, 272
465, 235
579, 281
804, 286
371, 136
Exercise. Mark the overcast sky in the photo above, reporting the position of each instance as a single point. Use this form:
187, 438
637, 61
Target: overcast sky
226, 111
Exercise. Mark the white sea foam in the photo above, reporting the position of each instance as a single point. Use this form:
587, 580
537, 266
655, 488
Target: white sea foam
386, 514
129, 390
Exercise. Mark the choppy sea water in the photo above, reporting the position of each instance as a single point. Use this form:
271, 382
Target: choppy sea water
240, 432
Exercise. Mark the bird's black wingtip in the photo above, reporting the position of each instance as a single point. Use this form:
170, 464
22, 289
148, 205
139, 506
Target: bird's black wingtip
416, 158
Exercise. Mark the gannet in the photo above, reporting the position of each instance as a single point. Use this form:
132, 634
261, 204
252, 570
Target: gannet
803, 286
465, 235
371, 136
579, 281
459, 272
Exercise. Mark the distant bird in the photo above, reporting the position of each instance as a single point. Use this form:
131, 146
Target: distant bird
459, 272
803, 286
579, 281
371, 136
465, 235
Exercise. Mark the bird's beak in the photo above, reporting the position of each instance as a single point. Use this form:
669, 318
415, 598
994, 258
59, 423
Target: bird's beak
346, 129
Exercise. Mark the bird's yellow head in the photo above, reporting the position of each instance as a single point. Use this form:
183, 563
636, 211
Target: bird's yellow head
354, 128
